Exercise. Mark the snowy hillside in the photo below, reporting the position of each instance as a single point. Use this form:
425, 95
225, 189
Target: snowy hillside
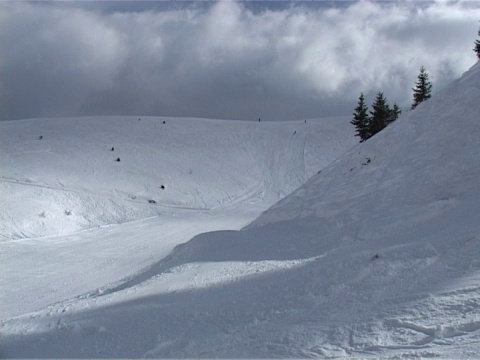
74, 219
60, 175
375, 256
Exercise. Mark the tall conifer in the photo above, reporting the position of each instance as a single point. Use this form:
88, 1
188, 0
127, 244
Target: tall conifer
380, 115
361, 119
423, 88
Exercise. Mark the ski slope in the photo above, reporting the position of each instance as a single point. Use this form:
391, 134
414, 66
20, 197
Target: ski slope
202, 165
377, 255
74, 219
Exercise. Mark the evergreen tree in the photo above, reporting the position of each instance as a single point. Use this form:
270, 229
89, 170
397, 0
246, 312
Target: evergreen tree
422, 89
380, 115
394, 114
477, 46
361, 119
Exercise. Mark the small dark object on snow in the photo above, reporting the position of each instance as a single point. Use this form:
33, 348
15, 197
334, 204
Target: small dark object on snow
164, 121
138, 119
162, 187
305, 121
113, 149
258, 119
294, 132
40, 137
368, 161
152, 202
118, 159
375, 257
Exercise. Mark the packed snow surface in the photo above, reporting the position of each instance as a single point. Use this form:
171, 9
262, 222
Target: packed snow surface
375, 254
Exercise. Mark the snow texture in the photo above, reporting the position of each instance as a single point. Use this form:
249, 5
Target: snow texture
376, 255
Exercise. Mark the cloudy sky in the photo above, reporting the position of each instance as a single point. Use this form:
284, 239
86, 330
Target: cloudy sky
230, 60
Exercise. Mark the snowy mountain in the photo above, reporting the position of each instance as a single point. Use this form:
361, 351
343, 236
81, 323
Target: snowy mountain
377, 255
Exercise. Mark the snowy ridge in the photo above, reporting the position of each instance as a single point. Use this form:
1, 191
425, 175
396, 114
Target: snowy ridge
427, 158
375, 256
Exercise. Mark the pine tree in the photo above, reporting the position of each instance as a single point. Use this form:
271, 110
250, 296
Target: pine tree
423, 88
380, 115
361, 119
394, 114
477, 46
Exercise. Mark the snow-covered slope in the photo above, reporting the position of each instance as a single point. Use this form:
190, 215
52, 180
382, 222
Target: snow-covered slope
73, 219
376, 256
69, 180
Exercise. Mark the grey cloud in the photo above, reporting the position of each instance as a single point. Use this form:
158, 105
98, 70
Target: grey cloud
224, 60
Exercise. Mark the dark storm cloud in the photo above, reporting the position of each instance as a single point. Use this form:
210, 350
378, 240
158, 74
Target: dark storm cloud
223, 60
